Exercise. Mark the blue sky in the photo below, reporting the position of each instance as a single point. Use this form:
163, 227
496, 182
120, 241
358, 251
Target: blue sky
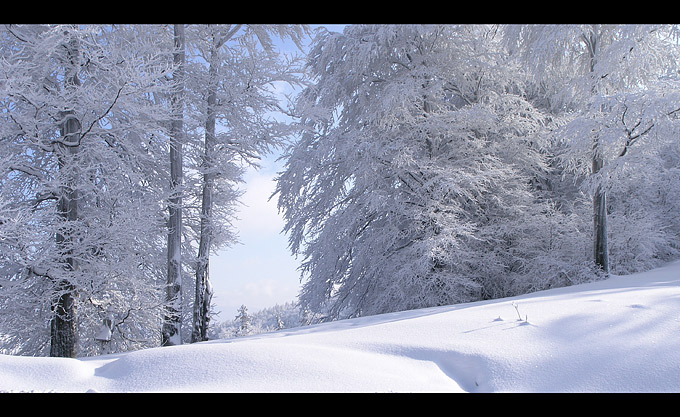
259, 272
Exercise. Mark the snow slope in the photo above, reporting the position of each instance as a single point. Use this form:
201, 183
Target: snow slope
617, 335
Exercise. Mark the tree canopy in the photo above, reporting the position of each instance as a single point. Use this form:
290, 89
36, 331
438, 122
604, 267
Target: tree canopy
435, 165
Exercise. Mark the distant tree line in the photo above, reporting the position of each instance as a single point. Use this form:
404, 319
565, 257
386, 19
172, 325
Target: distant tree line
245, 323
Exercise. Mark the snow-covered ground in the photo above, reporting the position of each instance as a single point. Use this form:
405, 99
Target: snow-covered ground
618, 335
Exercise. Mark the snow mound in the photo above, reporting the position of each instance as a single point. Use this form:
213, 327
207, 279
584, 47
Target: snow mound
617, 335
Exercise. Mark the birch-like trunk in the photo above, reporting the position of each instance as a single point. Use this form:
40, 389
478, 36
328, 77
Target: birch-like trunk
203, 287
171, 332
204, 291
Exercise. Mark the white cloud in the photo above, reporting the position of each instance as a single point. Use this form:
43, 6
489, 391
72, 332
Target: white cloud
257, 214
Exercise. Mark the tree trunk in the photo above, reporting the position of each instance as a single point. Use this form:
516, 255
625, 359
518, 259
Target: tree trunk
600, 244
64, 325
203, 287
171, 332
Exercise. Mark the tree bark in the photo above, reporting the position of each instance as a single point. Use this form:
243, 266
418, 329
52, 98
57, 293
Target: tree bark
171, 332
64, 325
203, 287
600, 243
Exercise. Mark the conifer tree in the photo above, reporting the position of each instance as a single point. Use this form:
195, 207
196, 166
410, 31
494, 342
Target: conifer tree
243, 321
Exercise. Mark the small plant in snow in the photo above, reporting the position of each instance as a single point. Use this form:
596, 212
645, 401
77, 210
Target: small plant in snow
514, 304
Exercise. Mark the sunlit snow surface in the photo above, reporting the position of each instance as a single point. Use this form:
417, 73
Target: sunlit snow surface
618, 335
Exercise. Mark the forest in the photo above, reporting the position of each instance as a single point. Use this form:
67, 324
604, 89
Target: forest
425, 165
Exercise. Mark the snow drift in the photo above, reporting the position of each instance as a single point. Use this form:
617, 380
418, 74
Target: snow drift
617, 335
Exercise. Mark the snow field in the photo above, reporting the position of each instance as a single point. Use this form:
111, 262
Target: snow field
617, 335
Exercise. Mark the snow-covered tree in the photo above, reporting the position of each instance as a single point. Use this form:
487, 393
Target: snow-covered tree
411, 183
80, 186
243, 321
231, 81
278, 317
279, 323
615, 87
122, 148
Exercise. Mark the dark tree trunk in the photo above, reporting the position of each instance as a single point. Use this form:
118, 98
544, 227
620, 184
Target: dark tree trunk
64, 325
600, 244
64, 328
